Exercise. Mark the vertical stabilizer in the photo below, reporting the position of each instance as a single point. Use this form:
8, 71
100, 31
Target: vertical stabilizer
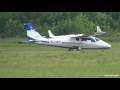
98, 29
32, 34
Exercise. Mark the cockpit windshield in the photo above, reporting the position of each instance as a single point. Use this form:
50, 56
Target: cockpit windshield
93, 39
97, 39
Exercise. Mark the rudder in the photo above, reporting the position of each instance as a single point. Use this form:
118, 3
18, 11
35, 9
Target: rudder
32, 34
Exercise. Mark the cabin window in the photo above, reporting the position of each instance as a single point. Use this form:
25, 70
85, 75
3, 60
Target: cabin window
84, 39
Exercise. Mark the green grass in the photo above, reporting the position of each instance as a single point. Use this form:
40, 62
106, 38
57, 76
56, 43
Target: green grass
37, 61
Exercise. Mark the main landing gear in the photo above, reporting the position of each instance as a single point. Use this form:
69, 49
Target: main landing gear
70, 49
77, 49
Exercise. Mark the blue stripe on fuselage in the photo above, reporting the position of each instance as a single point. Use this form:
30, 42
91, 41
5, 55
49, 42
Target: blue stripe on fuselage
44, 41
62, 42
29, 38
70, 43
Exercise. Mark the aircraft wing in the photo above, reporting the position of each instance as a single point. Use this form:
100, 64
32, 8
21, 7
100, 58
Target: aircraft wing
86, 35
98, 32
78, 36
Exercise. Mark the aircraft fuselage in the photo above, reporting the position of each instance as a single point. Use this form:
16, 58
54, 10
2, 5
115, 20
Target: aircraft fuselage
83, 43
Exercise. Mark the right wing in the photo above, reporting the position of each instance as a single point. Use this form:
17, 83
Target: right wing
98, 32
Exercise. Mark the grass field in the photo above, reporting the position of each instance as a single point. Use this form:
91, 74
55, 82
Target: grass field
37, 61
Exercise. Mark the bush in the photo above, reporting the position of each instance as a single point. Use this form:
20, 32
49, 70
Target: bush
2, 36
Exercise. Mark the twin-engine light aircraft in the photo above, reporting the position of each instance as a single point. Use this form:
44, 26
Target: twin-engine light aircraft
71, 41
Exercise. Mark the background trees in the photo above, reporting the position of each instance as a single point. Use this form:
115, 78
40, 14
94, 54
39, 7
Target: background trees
12, 23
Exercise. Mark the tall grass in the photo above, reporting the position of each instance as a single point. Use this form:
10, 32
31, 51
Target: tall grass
38, 61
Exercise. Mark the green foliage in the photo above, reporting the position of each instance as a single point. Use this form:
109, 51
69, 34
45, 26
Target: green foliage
82, 24
13, 28
11, 23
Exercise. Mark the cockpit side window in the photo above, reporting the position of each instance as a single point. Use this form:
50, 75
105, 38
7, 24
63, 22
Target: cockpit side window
97, 39
77, 39
85, 39
92, 40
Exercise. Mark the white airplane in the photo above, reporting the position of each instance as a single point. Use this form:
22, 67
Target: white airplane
79, 41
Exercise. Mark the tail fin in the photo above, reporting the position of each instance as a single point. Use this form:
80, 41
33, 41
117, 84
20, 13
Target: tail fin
98, 29
32, 34
99, 32
50, 34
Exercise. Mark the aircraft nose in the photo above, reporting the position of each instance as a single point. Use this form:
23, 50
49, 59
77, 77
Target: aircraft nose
106, 45
109, 46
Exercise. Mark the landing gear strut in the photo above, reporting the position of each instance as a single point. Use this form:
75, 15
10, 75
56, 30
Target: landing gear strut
78, 48
70, 49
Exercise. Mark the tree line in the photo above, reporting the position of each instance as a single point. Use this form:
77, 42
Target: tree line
60, 23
